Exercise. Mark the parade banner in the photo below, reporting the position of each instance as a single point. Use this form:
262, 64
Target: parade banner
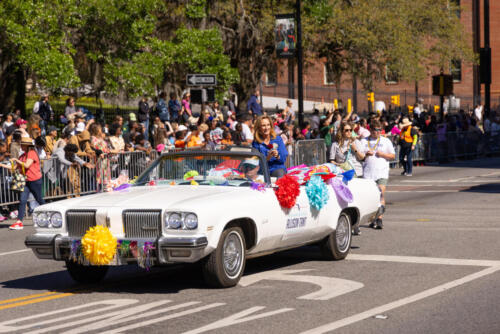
284, 32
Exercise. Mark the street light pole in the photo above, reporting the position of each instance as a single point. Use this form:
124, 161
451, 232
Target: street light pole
487, 85
300, 77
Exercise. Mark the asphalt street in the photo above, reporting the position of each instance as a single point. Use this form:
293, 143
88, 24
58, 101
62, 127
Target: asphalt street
434, 268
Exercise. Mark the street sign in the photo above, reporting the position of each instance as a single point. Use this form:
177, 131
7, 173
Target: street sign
201, 79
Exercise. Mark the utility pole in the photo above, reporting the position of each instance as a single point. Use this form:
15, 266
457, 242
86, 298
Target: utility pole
300, 76
354, 94
487, 85
291, 78
476, 24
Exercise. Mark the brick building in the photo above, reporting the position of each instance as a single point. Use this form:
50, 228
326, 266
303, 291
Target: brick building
318, 87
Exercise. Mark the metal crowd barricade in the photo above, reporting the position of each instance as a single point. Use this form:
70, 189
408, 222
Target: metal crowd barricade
310, 152
110, 166
64, 182
7, 196
61, 181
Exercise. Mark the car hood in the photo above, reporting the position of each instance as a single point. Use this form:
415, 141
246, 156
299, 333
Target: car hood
147, 197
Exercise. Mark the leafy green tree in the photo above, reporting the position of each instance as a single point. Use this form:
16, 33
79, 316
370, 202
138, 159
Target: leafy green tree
247, 32
114, 46
33, 41
366, 38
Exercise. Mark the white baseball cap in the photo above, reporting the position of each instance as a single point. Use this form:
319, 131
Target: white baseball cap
182, 128
80, 127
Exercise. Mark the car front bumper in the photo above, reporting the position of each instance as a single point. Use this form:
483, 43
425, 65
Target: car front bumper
167, 249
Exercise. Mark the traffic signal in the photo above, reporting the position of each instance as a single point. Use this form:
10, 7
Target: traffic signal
442, 85
371, 97
436, 109
410, 109
395, 99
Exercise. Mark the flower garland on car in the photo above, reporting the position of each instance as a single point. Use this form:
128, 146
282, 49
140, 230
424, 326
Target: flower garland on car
341, 190
99, 245
317, 192
287, 191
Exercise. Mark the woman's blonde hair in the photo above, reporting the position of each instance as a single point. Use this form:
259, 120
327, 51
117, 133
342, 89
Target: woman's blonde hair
257, 125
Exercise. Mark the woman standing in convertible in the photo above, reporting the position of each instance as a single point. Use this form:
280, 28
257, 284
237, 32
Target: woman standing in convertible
271, 146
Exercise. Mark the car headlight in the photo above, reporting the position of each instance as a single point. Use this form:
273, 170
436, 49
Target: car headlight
190, 221
181, 220
35, 218
174, 220
43, 219
48, 219
56, 220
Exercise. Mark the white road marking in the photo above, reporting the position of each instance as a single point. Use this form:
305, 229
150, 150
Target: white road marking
401, 302
435, 181
331, 287
477, 229
466, 179
95, 307
424, 260
156, 320
423, 191
238, 318
110, 318
15, 252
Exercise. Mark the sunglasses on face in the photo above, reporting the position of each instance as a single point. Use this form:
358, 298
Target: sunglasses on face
347, 130
377, 129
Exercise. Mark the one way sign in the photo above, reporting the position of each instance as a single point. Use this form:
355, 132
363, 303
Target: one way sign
201, 80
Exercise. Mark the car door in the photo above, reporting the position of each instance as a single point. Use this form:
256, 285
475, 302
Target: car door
299, 221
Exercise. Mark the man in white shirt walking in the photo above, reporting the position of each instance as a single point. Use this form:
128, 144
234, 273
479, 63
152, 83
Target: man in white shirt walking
377, 151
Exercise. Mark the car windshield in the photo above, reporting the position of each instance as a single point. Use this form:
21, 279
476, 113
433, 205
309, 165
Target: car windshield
225, 169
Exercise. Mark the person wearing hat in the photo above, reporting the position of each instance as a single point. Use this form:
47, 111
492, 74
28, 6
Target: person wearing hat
407, 142
28, 164
50, 139
250, 167
22, 126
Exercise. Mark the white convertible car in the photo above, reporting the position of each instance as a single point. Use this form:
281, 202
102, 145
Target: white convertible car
202, 206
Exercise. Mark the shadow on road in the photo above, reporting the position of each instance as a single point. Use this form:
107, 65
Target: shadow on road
168, 280
488, 188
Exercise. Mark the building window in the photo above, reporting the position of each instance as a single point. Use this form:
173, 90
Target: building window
456, 70
329, 75
456, 3
272, 75
391, 77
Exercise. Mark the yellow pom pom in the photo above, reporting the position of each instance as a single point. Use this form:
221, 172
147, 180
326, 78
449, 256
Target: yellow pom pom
194, 183
99, 245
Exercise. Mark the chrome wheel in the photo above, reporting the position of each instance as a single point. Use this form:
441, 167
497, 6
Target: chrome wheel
343, 234
232, 254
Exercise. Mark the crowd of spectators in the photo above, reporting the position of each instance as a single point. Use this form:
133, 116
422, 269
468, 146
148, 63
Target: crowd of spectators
77, 139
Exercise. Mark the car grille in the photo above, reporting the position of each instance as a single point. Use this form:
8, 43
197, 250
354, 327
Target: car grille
142, 224
78, 222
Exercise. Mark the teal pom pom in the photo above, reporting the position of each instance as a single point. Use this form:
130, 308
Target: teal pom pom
317, 192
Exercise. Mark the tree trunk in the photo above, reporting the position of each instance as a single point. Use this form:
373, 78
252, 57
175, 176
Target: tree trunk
12, 88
